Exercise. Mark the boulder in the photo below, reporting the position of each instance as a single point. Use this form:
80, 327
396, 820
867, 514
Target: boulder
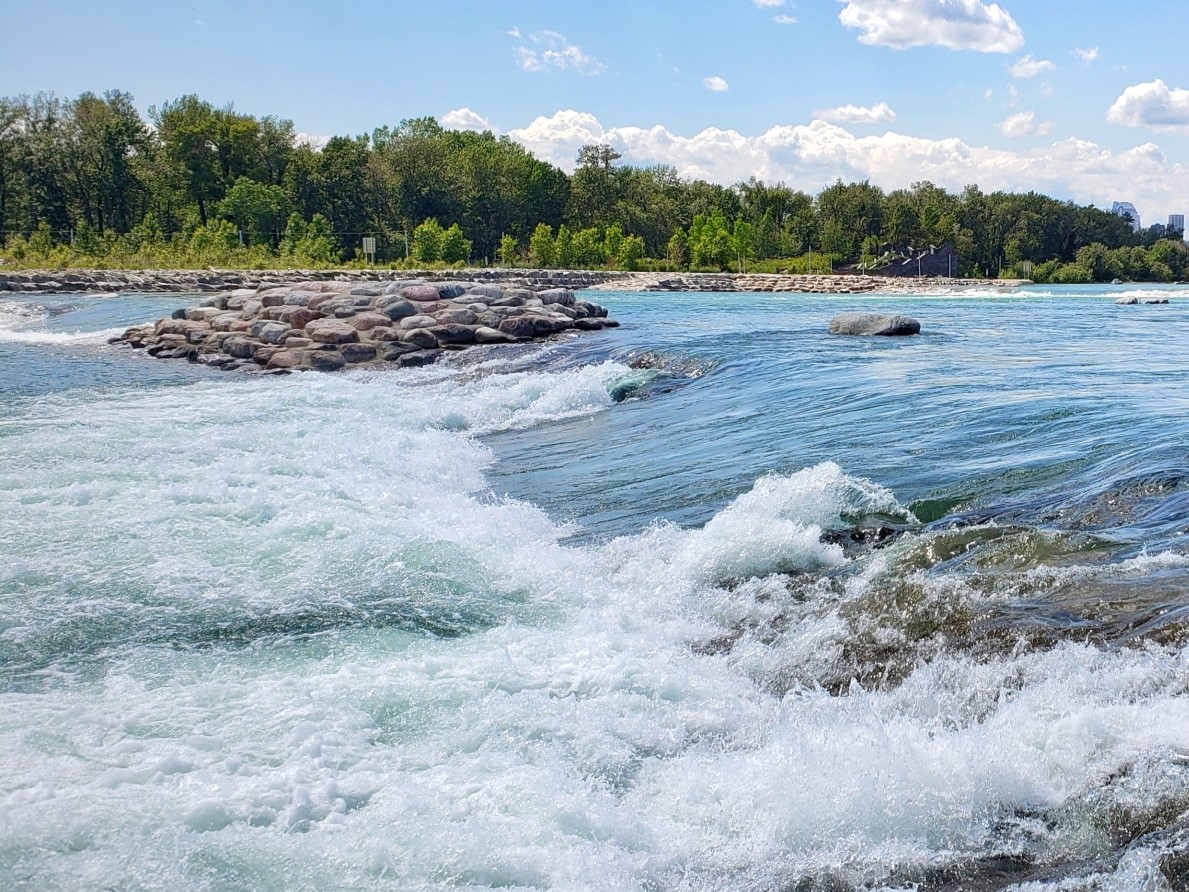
462, 317
420, 292
394, 307
285, 359
368, 320
491, 292
518, 327
485, 335
422, 338
354, 353
325, 360
331, 331
419, 321
884, 324
421, 357
453, 333
563, 296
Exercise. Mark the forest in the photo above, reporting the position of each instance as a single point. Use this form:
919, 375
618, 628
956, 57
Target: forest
89, 182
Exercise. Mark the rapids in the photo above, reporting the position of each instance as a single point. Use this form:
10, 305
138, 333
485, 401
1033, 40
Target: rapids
711, 602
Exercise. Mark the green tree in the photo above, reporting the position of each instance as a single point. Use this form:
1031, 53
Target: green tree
456, 248
427, 242
542, 249
509, 251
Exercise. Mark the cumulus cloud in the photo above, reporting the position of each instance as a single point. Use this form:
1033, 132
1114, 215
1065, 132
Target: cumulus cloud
808, 156
315, 141
465, 119
956, 24
1154, 105
1023, 124
716, 84
1087, 55
549, 49
880, 113
784, 19
1026, 67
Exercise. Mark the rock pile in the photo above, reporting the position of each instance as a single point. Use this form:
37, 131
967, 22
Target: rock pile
329, 325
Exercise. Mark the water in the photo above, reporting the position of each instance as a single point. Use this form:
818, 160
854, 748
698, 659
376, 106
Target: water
712, 601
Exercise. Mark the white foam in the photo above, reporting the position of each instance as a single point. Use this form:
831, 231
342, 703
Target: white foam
578, 736
42, 336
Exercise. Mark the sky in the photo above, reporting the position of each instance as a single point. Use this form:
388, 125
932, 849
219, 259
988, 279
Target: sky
1082, 100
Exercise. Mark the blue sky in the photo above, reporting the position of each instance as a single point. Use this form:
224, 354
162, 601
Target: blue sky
1081, 100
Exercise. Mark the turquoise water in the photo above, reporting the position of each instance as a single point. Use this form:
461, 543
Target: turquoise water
710, 601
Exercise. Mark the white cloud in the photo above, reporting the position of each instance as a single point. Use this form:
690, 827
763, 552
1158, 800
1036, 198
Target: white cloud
513, 32
988, 94
856, 114
808, 156
549, 49
956, 24
1023, 124
784, 19
465, 119
716, 84
315, 141
768, 4
1026, 67
1087, 55
1154, 105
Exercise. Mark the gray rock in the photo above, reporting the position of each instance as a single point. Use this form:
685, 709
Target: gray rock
885, 324
485, 335
491, 292
325, 360
394, 307
518, 327
563, 296
451, 290
419, 321
422, 338
274, 332
453, 333
353, 353
462, 317
421, 357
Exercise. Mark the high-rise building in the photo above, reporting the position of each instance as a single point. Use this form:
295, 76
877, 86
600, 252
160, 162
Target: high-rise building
1177, 221
1127, 209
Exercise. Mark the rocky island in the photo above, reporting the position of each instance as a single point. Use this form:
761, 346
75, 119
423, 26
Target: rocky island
329, 325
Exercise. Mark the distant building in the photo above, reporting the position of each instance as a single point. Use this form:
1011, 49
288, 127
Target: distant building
1127, 209
1177, 221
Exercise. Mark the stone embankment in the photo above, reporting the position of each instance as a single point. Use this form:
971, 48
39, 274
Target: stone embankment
192, 281
795, 283
327, 326
195, 281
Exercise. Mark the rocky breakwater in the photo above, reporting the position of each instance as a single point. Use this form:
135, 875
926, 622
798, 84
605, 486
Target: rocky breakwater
327, 326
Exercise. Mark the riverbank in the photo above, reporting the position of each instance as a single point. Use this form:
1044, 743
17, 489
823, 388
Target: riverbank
214, 280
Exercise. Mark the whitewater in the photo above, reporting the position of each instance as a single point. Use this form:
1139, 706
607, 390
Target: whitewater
714, 601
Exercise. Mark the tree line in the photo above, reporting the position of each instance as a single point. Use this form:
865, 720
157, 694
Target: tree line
88, 180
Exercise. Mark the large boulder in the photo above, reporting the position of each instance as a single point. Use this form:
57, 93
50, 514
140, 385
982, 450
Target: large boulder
886, 324
331, 331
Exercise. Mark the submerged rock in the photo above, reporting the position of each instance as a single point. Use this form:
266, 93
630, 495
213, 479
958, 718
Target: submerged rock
883, 324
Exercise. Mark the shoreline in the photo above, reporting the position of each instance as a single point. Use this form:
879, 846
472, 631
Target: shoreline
215, 280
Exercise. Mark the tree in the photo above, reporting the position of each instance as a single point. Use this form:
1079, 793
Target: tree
187, 128
542, 250
427, 242
456, 248
509, 251
256, 209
